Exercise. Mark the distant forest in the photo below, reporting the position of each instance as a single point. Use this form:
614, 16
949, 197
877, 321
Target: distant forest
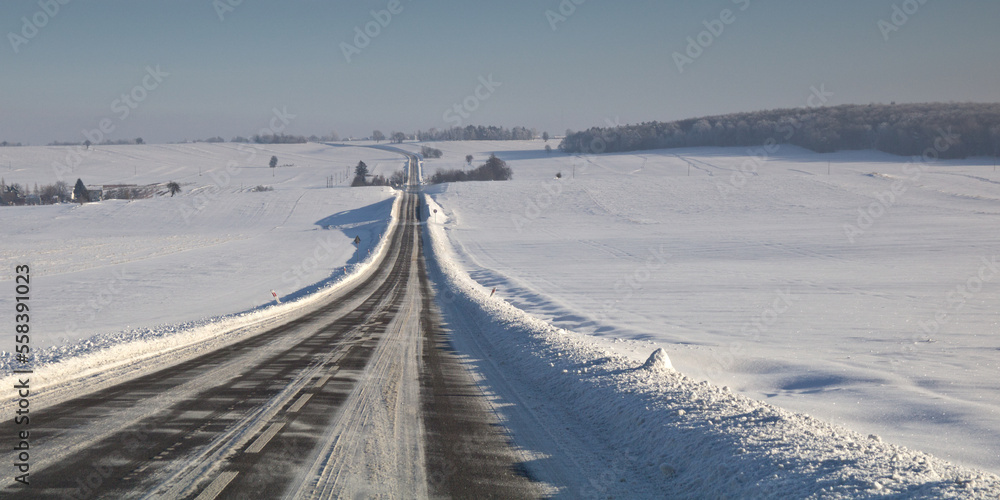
477, 133
257, 139
967, 129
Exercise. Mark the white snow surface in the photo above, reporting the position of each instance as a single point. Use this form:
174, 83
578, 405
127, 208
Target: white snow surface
115, 271
594, 423
756, 280
746, 280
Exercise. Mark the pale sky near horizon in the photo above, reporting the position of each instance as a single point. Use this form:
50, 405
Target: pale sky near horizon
223, 71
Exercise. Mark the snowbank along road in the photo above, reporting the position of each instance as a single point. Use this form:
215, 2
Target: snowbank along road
359, 390
358, 398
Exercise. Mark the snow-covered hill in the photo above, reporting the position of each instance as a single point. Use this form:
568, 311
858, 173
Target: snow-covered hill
216, 248
858, 287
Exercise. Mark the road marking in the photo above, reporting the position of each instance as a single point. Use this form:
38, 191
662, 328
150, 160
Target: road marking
217, 486
322, 381
265, 437
301, 401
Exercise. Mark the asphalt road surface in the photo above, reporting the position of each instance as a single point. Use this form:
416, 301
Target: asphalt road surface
359, 398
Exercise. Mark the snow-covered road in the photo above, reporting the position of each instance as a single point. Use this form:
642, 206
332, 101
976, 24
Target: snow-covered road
318, 396
325, 403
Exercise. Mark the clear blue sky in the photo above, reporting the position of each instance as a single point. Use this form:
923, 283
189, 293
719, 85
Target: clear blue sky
608, 60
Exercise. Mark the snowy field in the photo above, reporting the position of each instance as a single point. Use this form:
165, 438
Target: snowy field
854, 287
118, 269
857, 287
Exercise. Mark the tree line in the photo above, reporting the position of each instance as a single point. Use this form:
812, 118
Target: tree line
494, 169
14, 194
970, 129
478, 133
429, 152
108, 142
256, 139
